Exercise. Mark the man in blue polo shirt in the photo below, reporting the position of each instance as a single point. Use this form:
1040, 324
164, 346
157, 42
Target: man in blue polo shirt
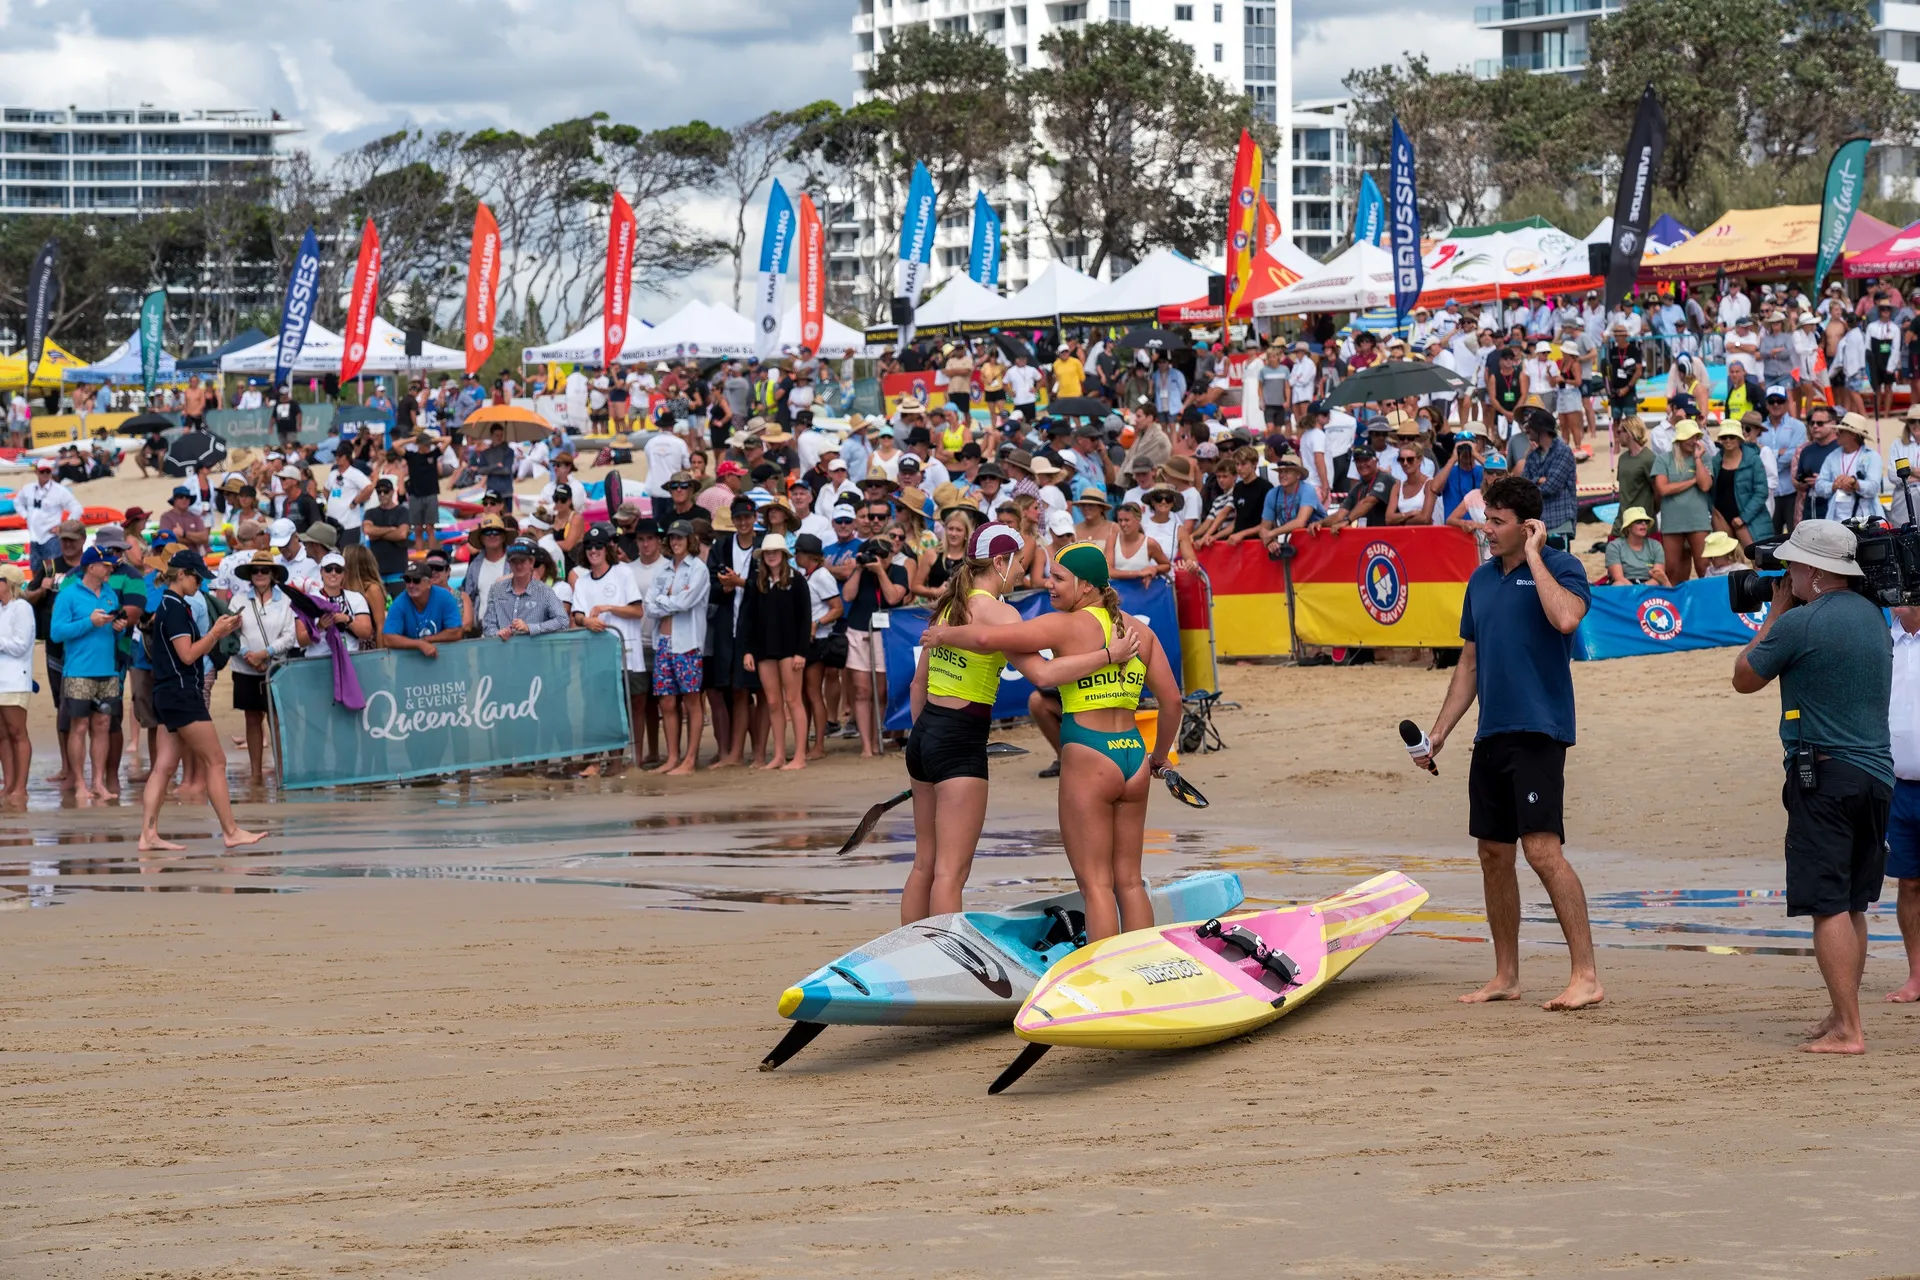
1523, 606
423, 617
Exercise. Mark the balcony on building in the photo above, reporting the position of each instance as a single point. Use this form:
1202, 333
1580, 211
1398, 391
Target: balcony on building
1519, 14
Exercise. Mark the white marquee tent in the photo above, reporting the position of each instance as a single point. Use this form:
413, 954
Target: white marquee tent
1358, 280
321, 353
1056, 289
1162, 278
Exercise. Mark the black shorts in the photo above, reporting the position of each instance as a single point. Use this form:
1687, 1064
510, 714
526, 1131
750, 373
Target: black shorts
249, 692
946, 743
179, 705
1836, 839
1515, 787
829, 651
994, 397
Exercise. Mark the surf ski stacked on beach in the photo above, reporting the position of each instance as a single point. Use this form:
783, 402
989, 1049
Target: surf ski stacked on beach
968, 967
1192, 984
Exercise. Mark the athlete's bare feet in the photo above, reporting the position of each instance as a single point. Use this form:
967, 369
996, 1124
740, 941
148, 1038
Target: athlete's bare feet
1815, 1030
591, 771
1835, 1042
1497, 989
721, 762
151, 843
798, 762
242, 836
670, 766
190, 795
1581, 993
1907, 994
684, 769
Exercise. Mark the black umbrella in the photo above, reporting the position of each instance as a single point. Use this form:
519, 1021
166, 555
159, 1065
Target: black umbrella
1079, 407
145, 424
1147, 338
191, 449
1396, 380
1013, 346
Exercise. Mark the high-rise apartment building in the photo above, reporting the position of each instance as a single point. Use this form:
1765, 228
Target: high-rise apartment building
1246, 43
126, 159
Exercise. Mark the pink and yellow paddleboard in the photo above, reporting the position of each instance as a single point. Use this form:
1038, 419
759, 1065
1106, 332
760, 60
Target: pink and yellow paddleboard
1192, 984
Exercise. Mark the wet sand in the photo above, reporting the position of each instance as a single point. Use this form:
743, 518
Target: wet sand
512, 1027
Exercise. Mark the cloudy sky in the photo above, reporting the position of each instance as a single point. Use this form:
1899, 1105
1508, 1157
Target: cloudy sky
350, 70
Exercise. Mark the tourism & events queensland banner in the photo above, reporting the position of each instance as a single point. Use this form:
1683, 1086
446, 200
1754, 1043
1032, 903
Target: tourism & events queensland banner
481, 704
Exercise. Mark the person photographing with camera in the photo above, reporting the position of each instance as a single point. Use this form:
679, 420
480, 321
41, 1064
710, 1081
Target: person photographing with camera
1826, 645
878, 582
1523, 606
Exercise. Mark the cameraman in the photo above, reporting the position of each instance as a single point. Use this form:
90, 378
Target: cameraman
878, 581
1834, 660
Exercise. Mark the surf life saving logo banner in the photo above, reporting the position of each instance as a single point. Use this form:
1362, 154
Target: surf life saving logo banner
481, 704
297, 312
366, 291
1409, 273
1153, 602
1243, 212
483, 286
769, 291
1623, 622
1395, 587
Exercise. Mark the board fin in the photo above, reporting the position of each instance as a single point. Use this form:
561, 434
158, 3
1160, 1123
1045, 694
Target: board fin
1019, 1067
798, 1037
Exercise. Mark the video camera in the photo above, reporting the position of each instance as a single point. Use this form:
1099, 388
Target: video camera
1889, 560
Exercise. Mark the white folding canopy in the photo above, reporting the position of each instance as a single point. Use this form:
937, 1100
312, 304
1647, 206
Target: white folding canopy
321, 353
1358, 280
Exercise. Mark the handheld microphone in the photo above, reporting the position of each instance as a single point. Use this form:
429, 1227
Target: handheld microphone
1418, 746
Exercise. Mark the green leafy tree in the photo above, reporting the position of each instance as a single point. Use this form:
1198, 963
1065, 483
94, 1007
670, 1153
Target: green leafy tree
1444, 114
1136, 143
951, 102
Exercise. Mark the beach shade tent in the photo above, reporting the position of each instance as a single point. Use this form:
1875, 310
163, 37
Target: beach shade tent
1162, 278
696, 331
1897, 255
1274, 268
582, 346
961, 300
209, 362
837, 341
1765, 243
1480, 264
191, 448
321, 352
1664, 234
1358, 280
55, 360
1058, 288
124, 367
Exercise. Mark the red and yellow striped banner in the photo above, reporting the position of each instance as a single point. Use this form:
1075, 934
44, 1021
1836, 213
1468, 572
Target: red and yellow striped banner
1400, 587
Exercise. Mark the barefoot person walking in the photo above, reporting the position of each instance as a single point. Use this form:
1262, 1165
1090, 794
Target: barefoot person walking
175, 648
1522, 609
1825, 643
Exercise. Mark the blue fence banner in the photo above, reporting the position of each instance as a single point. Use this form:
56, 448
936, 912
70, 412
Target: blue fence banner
481, 704
1626, 621
1151, 601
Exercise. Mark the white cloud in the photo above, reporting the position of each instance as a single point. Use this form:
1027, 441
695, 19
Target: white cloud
1326, 48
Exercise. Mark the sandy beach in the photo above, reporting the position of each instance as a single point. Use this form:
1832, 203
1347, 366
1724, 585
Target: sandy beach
512, 1027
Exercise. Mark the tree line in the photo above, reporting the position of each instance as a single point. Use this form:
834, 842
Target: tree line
1757, 94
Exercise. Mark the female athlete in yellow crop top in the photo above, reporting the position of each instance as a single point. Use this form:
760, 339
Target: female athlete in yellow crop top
954, 689
1103, 783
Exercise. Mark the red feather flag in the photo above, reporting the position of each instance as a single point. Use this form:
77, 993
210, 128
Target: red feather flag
360, 305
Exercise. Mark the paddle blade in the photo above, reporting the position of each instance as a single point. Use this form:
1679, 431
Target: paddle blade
1018, 1067
798, 1037
616, 493
1182, 790
872, 819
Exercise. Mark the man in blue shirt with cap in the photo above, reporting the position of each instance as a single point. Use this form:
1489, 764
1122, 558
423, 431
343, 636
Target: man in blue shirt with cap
1523, 606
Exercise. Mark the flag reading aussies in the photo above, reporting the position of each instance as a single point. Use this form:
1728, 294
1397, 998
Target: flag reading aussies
983, 261
43, 290
1633, 206
360, 304
776, 248
812, 256
1846, 182
916, 242
1409, 271
621, 228
483, 287
1242, 215
153, 332
297, 312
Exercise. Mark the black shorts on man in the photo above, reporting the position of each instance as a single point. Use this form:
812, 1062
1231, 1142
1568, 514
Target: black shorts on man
1836, 839
1516, 786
